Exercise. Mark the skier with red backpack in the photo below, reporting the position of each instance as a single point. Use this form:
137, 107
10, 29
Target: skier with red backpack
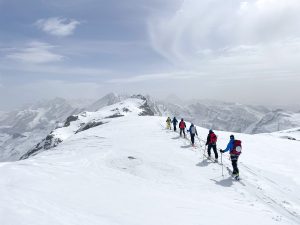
234, 147
211, 142
182, 127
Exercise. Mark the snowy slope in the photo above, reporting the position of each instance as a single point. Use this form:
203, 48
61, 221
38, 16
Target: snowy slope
131, 170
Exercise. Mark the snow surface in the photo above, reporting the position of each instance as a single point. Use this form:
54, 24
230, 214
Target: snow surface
132, 170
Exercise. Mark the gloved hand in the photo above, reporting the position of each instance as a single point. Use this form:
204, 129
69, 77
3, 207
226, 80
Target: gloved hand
222, 151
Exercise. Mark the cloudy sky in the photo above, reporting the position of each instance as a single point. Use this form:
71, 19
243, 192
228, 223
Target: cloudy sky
245, 51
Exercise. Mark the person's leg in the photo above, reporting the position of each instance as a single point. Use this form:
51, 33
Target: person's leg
183, 132
234, 165
193, 138
180, 132
208, 150
215, 151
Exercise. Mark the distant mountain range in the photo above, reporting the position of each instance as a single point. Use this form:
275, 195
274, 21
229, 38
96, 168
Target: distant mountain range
23, 129
233, 117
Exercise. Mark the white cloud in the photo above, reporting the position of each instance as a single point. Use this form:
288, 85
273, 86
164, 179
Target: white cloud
58, 26
237, 36
35, 53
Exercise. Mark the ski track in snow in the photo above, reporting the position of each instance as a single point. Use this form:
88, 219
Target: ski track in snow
134, 171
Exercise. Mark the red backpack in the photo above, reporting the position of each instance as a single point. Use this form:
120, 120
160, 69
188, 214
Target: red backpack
237, 148
213, 138
182, 125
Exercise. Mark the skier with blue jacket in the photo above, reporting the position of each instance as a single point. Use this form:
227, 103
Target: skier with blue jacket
234, 147
193, 131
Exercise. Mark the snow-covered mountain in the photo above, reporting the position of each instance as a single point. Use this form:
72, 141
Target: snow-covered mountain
133, 106
108, 99
276, 120
22, 129
114, 166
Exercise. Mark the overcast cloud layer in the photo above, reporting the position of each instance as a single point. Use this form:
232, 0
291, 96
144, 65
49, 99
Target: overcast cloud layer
245, 51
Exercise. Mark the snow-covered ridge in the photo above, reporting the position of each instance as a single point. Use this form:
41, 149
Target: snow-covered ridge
134, 106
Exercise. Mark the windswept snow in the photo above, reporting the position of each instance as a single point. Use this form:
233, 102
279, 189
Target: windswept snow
132, 170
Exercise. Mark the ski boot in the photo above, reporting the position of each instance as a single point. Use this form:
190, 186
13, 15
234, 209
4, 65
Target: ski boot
236, 176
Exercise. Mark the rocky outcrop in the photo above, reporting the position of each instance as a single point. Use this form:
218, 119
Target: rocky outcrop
89, 126
49, 142
69, 120
147, 111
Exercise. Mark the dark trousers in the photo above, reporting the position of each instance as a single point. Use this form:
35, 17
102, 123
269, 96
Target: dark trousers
193, 139
214, 147
174, 125
182, 130
234, 161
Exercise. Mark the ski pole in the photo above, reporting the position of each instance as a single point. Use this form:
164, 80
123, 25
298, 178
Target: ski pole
222, 164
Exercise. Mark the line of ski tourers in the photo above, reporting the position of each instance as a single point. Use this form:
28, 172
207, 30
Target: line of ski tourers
234, 146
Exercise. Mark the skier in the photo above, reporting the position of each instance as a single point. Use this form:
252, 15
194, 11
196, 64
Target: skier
182, 127
211, 142
234, 147
174, 121
168, 123
193, 131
